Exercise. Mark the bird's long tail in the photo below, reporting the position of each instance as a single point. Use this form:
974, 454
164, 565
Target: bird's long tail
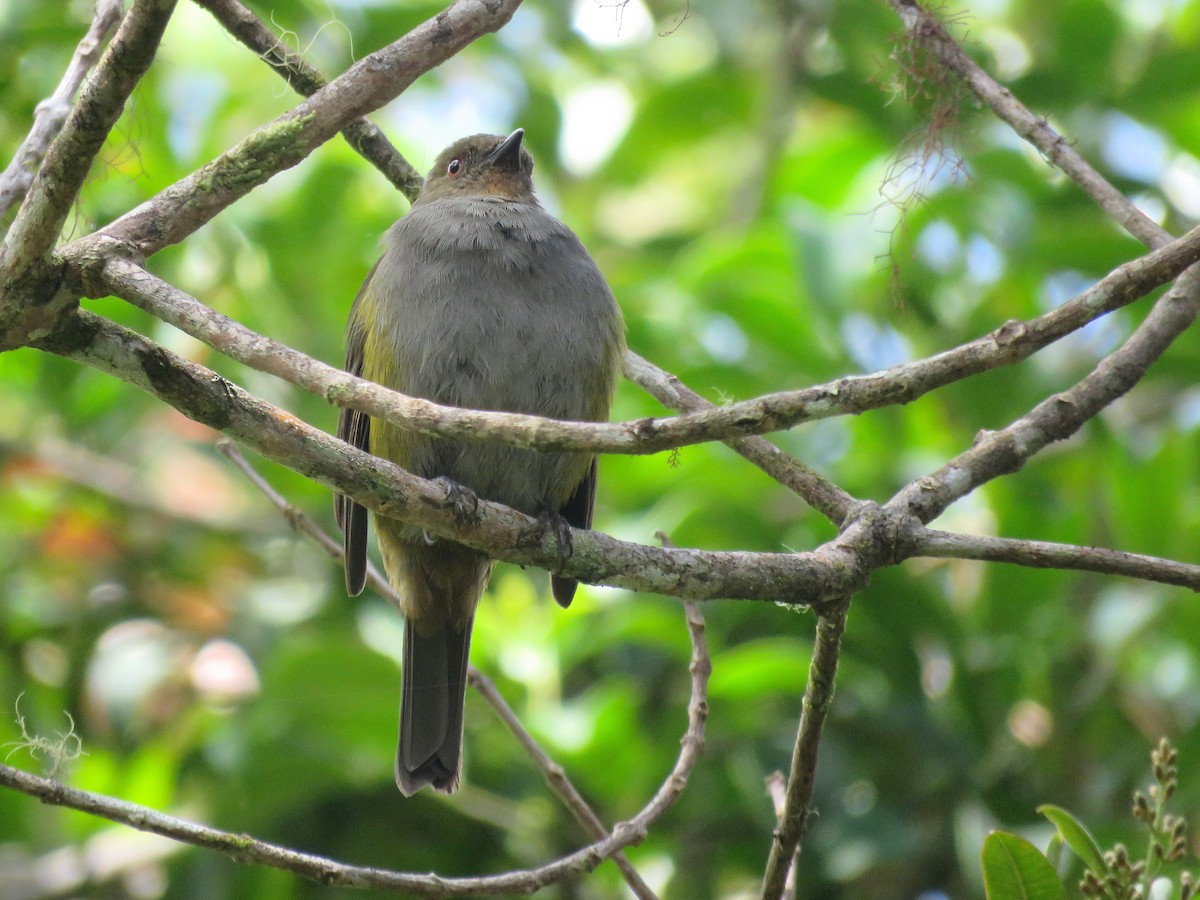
431, 708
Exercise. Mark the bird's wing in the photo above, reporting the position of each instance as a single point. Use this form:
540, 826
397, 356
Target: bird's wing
355, 429
578, 513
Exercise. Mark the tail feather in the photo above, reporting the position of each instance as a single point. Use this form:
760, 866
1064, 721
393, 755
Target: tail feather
431, 708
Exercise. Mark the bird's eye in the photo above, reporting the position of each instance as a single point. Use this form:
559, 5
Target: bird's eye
455, 167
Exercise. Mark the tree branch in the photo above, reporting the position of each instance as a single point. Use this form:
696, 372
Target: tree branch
102, 273
30, 295
244, 848
819, 492
930, 33
363, 135
818, 696
51, 113
373, 81
836, 569
1059, 416
58, 180
1047, 555
298, 519
833, 570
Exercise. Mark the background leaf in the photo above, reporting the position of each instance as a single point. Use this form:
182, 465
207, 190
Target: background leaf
1075, 835
1014, 869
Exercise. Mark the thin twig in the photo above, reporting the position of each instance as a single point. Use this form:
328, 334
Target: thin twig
69, 158
776, 785
818, 695
819, 492
556, 776
1048, 555
1011, 343
295, 516
363, 135
925, 28
373, 81
1059, 416
244, 848
51, 113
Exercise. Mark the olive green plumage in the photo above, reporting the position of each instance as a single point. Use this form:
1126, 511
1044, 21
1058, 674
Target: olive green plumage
481, 300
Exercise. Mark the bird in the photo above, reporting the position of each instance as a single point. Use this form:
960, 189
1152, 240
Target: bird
481, 299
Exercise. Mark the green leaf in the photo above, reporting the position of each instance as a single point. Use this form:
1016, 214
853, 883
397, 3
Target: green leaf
1014, 869
1054, 851
1075, 835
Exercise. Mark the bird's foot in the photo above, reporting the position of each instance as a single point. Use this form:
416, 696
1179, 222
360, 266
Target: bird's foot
459, 497
562, 586
562, 534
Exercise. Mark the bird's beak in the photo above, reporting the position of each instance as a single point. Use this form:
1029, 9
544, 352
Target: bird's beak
508, 154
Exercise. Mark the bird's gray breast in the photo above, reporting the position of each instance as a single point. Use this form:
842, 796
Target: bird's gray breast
496, 305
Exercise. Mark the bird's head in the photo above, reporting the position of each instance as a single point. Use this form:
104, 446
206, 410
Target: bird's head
482, 165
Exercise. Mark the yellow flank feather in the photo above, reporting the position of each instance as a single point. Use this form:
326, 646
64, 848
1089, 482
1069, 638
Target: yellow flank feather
381, 365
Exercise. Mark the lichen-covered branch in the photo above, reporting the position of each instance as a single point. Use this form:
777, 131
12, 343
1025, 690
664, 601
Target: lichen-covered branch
30, 284
1048, 555
67, 162
363, 135
501, 532
373, 81
103, 273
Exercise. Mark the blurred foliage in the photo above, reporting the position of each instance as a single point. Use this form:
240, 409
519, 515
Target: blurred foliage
739, 171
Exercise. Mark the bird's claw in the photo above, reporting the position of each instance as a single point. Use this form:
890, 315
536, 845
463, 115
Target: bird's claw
562, 534
463, 500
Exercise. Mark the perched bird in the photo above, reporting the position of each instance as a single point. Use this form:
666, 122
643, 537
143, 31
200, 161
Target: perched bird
481, 300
